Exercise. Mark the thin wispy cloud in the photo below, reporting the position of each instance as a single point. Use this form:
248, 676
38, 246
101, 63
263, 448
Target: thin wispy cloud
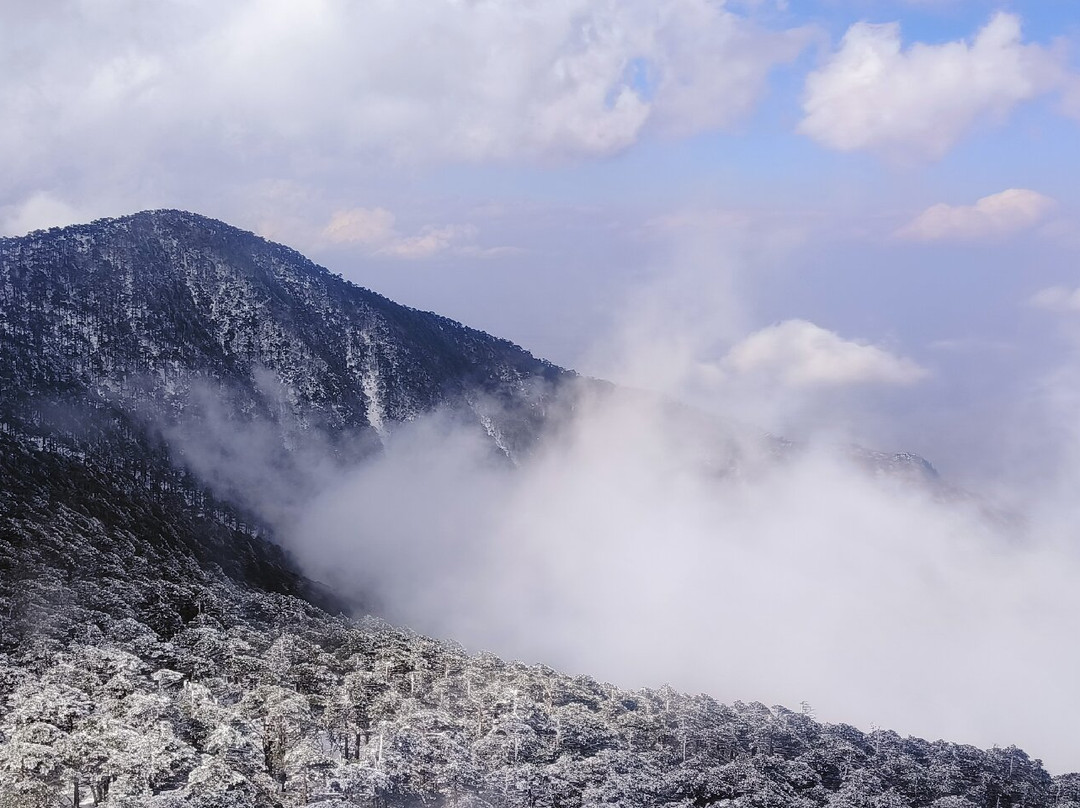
375, 230
1070, 102
430, 240
366, 226
1063, 299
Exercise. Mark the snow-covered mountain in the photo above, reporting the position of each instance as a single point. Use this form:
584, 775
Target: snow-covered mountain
142, 306
157, 649
112, 334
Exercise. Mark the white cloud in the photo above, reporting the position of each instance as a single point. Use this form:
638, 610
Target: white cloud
994, 216
916, 103
797, 353
1056, 298
329, 80
360, 226
602, 553
374, 229
37, 212
430, 241
710, 66
122, 105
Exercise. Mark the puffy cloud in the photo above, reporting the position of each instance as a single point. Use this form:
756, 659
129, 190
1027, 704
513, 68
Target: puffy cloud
798, 353
993, 216
873, 94
1056, 298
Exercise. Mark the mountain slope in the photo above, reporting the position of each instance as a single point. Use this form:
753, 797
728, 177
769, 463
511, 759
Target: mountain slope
112, 334
134, 307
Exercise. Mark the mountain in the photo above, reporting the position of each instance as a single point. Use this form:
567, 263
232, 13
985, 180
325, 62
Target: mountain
157, 648
116, 334
139, 308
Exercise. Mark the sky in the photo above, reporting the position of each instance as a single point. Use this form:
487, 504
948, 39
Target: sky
888, 180
855, 220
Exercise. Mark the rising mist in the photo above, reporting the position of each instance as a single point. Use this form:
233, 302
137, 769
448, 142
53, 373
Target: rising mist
646, 542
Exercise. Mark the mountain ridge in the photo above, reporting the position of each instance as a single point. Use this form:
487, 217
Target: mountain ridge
263, 281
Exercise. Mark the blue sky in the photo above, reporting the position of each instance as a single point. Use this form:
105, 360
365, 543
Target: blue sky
565, 174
